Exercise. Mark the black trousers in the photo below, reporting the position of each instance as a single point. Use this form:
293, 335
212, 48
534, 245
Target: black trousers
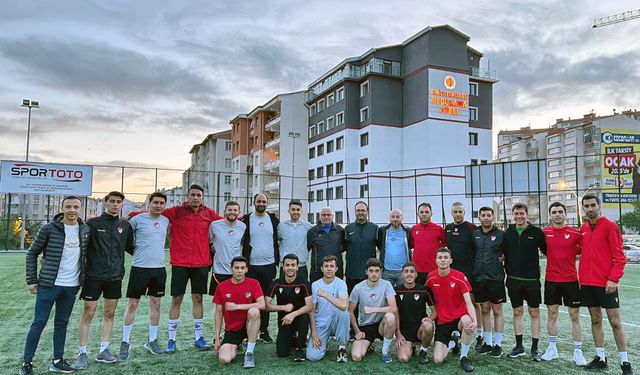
287, 337
265, 274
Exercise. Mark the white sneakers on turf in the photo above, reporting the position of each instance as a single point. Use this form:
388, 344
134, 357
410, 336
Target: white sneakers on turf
578, 358
550, 354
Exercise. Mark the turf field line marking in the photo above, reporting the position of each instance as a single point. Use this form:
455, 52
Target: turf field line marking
589, 316
629, 286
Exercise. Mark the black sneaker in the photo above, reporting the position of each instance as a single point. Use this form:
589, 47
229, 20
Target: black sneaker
423, 357
342, 355
465, 363
485, 348
496, 351
26, 368
62, 366
597, 363
479, 342
299, 355
264, 336
455, 337
517, 351
535, 355
626, 368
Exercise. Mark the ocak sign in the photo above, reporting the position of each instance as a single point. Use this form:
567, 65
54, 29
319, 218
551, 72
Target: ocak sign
448, 95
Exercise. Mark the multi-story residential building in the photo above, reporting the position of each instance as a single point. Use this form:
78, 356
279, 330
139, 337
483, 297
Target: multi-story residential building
270, 145
211, 168
411, 108
42, 208
175, 196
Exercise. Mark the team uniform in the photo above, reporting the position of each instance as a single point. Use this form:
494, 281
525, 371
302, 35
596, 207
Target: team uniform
448, 292
365, 295
293, 240
248, 291
561, 279
359, 244
330, 321
487, 277
148, 275
412, 308
295, 294
427, 239
460, 242
226, 239
522, 263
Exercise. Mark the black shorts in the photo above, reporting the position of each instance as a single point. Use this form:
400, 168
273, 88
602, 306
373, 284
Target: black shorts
594, 296
410, 333
181, 275
234, 337
444, 331
489, 290
92, 289
371, 332
524, 290
566, 293
217, 278
146, 281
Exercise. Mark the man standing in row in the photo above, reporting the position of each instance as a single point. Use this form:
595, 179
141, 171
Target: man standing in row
292, 235
260, 247
395, 244
226, 238
325, 239
427, 237
360, 245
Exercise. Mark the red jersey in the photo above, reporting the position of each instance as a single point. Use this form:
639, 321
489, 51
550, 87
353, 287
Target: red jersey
563, 245
602, 257
427, 239
248, 291
448, 292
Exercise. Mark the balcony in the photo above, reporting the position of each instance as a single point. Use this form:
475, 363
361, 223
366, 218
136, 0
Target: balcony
272, 186
272, 165
273, 124
482, 73
273, 143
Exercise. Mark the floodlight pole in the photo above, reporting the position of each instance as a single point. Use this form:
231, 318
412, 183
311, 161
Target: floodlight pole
27, 104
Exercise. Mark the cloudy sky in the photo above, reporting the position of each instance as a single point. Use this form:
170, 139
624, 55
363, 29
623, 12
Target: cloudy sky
139, 82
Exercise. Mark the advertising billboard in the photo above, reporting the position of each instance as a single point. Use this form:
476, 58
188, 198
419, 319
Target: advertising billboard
448, 95
45, 178
620, 170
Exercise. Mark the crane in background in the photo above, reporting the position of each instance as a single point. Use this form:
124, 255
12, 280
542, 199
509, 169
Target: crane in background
616, 18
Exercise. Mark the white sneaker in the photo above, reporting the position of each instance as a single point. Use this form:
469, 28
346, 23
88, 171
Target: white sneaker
550, 354
578, 358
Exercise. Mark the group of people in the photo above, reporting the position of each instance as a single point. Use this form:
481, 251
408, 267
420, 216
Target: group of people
417, 285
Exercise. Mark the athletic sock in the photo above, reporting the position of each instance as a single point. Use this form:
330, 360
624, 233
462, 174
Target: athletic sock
386, 343
623, 357
534, 344
153, 333
577, 345
487, 338
518, 340
451, 345
423, 348
56, 361
250, 347
552, 341
497, 338
600, 353
464, 350
103, 345
126, 332
173, 328
197, 325
478, 332
83, 349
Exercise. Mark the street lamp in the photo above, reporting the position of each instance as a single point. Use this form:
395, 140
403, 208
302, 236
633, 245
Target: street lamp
27, 104
293, 135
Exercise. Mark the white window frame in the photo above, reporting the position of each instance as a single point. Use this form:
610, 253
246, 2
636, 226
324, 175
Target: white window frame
332, 121
331, 100
365, 88
312, 110
339, 94
321, 105
368, 115
312, 131
476, 91
473, 114
340, 115
340, 143
321, 127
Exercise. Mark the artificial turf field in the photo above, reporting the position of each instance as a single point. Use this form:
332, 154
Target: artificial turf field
16, 312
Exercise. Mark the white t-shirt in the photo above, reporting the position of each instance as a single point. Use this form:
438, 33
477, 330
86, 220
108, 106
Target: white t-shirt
69, 270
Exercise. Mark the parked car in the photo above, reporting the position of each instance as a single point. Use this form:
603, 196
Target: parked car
633, 256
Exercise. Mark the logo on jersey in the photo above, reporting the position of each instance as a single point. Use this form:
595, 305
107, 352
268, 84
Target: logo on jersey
296, 290
417, 232
227, 296
455, 229
156, 224
416, 296
247, 295
493, 238
120, 229
280, 290
566, 236
372, 296
452, 284
231, 232
261, 224
401, 297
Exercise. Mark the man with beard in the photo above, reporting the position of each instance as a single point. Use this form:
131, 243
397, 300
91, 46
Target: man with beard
226, 237
360, 245
292, 235
260, 247
395, 244
427, 238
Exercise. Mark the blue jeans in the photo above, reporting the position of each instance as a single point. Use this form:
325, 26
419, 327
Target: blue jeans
64, 298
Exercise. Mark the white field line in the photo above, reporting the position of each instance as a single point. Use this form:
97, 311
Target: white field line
588, 316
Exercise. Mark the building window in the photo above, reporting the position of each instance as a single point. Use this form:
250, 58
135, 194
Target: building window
364, 88
363, 164
364, 139
320, 195
317, 217
312, 152
483, 162
554, 139
339, 192
571, 134
329, 147
473, 139
554, 151
570, 147
329, 168
321, 127
320, 105
364, 190
364, 114
312, 110
331, 99
227, 146
570, 172
312, 131
312, 174
320, 172
329, 194
339, 143
227, 197
339, 118
237, 182
339, 217
554, 174
339, 94
310, 196
553, 163
339, 167
330, 123
320, 149
474, 161
515, 147
310, 215
473, 88
473, 113
227, 163
227, 180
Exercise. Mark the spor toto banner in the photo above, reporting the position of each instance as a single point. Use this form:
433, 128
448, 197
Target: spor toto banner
45, 178
620, 170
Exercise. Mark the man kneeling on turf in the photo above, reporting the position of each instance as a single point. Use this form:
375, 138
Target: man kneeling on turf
413, 323
376, 303
239, 300
294, 304
455, 310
